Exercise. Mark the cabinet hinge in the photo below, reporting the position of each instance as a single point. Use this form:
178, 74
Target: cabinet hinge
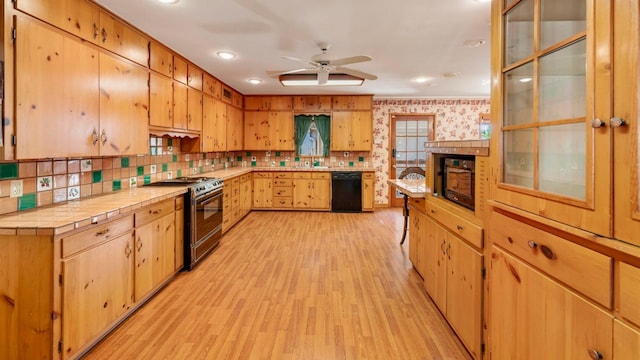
484, 273
482, 347
60, 279
14, 140
59, 346
14, 34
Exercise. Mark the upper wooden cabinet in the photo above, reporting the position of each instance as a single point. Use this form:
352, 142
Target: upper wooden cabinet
180, 106
235, 128
212, 86
312, 103
160, 59
194, 110
123, 40
352, 102
194, 76
160, 101
268, 103
180, 69
268, 130
351, 131
214, 124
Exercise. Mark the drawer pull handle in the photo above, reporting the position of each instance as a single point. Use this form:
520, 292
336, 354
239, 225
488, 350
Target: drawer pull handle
433, 211
103, 232
595, 354
460, 227
532, 244
139, 246
442, 246
155, 212
127, 251
547, 252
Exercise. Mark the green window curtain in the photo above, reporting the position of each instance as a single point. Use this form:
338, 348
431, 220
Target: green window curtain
302, 124
323, 124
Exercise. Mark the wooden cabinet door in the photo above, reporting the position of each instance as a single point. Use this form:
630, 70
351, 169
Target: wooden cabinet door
352, 102
361, 130
246, 188
180, 106
154, 255
160, 101
78, 17
256, 130
180, 69
235, 134
302, 193
194, 109
160, 59
321, 194
533, 317
122, 39
312, 103
340, 131
211, 86
262, 193
214, 124
464, 293
368, 192
626, 341
96, 291
418, 241
268, 102
124, 99
435, 262
179, 235
46, 60
281, 131
194, 76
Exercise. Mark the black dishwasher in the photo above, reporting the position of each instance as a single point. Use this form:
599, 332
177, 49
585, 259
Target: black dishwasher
346, 191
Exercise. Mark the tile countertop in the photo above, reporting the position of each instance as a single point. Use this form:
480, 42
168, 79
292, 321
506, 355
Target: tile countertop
58, 219
413, 188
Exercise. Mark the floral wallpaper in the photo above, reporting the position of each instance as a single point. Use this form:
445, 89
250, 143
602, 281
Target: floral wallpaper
456, 119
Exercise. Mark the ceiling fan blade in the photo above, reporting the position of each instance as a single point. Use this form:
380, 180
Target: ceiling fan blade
296, 71
313, 63
323, 77
355, 73
350, 60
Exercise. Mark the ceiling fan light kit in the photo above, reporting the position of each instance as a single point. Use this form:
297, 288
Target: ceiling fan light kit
314, 80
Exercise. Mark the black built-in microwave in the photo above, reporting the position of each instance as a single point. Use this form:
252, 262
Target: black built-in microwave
458, 180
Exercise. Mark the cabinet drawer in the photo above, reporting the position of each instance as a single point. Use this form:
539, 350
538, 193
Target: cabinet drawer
282, 191
153, 212
97, 234
282, 202
321, 175
629, 277
418, 204
302, 175
235, 202
585, 270
283, 175
179, 203
245, 177
457, 225
262, 175
368, 175
282, 182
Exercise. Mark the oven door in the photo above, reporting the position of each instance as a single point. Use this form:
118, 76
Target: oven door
206, 225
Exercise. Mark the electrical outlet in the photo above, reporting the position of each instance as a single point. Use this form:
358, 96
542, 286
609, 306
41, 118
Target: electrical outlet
152, 169
346, 154
16, 188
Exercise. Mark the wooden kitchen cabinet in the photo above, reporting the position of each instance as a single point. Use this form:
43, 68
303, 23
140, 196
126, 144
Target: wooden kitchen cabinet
235, 128
268, 130
452, 273
180, 106
532, 316
368, 191
124, 105
194, 110
214, 124
246, 190
160, 101
194, 76
122, 39
180, 233
282, 190
268, 103
419, 226
351, 131
180, 69
155, 242
228, 198
316, 103
626, 341
352, 102
160, 59
211, 86
262, 190
48, 59
312, 190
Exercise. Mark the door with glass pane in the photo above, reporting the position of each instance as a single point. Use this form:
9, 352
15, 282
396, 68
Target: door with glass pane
555, 81
408, 135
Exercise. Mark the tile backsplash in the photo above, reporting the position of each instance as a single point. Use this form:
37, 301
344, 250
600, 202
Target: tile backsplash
51, 181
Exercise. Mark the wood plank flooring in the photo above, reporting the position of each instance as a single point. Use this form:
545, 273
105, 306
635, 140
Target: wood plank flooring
294, 285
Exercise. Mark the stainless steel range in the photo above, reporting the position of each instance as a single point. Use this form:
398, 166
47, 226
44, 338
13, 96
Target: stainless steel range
202, 216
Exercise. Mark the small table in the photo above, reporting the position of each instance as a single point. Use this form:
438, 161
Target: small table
408, 188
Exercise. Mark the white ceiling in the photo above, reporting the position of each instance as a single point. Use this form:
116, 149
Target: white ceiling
406, 39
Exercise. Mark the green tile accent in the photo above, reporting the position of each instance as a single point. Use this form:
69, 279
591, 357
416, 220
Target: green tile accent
361, 158
169, 142
124, 162
277, 153
179, 173
165, 167
140, 170
147, 179
248, 153
9, 171
174, 158
254, 163
201, 169
297, 158
97, 176
350, 163
228, 158
191, 163
282, 163
116, 185
27, 201
239, 158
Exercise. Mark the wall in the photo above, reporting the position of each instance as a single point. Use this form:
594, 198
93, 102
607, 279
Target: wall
456, 119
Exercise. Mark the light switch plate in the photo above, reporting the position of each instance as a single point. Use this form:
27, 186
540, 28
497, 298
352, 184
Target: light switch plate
16, 188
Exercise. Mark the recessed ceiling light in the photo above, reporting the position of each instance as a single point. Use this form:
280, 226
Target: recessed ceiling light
227, 55
168, 1
474, 43
525, 80
421, 80
449, 74
255, 81
483, 1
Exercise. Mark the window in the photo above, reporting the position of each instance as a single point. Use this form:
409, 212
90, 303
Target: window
312, 135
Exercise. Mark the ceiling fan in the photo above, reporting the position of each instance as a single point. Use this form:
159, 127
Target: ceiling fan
323, 65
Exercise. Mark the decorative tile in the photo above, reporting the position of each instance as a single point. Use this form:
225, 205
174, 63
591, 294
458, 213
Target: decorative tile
169, 142
179, 173
147, 179
116, 185
11, 170
59, 181
96, 164
140, 170
73, 193
59, 195
44, 183
74, 179
59, 167
165, 167
133, 182
45, 168
107, 163
174, 158
44, 198
73, 166
85, 165
124, 162
97, 176
29, 185
27, 201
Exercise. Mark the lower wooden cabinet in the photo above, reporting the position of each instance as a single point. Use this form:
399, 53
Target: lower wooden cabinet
262, 190
179, 237
368, 191
626, 341
312, 190
417, 239
534, 317
246, 190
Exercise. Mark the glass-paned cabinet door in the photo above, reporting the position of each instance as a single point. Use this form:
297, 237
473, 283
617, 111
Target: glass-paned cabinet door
545, 135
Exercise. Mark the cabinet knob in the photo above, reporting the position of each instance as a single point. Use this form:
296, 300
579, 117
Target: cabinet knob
532, 244
104, 137
617, 122
96, 31
597, 123
104, 35
95, 137
595, 354
127, 251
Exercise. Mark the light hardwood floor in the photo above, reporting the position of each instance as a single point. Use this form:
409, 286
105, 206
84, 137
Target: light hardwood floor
294, 285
